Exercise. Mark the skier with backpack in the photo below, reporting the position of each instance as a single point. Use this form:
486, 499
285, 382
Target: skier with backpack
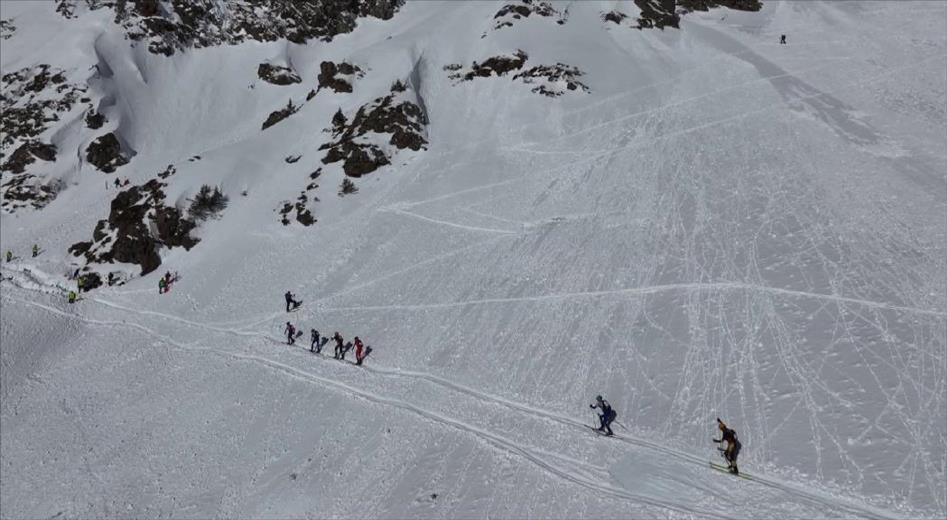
35, 250
606, 417
338, 345
358, 351
291, 302
290, 334
162, 285
314, 345
732, 451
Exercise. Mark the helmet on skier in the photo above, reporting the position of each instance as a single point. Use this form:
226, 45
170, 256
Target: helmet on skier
598, 398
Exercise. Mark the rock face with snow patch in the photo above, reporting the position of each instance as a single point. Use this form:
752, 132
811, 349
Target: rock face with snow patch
512, 12
171, 26
492, 66
359, 143
338, 77
32, 100
27, 154
548, 80
277, 75
138, 225
552, 80
659, 14
105, 153
278, 115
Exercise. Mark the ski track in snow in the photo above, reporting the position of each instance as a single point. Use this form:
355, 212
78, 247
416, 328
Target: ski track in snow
727, 295
640, 291
576, 471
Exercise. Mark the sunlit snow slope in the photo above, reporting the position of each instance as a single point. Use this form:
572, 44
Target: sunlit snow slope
721, 226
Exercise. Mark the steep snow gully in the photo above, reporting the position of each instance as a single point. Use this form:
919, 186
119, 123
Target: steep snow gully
716, 225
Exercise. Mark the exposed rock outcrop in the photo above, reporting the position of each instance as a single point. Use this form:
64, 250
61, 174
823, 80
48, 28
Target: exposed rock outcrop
552, 80
549, 80
169, 26
511, 12
7, 29
27, 154
277, 75
105, 153
138, 225
659, 14
30, 99
278, 115
358, 142
494, 66
338, 77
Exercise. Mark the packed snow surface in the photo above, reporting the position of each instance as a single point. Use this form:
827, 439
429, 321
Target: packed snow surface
721, 226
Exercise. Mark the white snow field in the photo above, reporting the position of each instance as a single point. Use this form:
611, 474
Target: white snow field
721, 226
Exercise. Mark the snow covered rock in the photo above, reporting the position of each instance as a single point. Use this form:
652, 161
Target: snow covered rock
511, 12
337, 76
278, 115
277, 75
359, 143
105, 153
138, 225
549, 80
170, 26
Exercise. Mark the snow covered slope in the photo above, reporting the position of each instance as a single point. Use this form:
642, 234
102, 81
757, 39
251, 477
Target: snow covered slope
695, 222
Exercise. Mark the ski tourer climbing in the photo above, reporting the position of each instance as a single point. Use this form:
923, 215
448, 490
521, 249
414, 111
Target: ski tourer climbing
346, 349
291, 302
732, 450
162, 286
314, 345
72, 296
782, 39
606, 416
338, 345
290, 334
9, 255
35, 250
358, 351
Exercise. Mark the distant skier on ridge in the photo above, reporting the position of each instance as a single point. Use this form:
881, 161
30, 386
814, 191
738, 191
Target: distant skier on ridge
733, 446
606, 416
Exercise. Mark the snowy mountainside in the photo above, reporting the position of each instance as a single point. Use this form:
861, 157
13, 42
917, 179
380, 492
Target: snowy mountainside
518, 205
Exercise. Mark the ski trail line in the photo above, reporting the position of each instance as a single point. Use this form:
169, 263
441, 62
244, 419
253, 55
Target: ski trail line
452, 224
655, 289
533, 455
823, 499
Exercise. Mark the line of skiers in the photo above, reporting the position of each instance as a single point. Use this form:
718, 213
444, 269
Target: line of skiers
35, 250
607, 416
317, 342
